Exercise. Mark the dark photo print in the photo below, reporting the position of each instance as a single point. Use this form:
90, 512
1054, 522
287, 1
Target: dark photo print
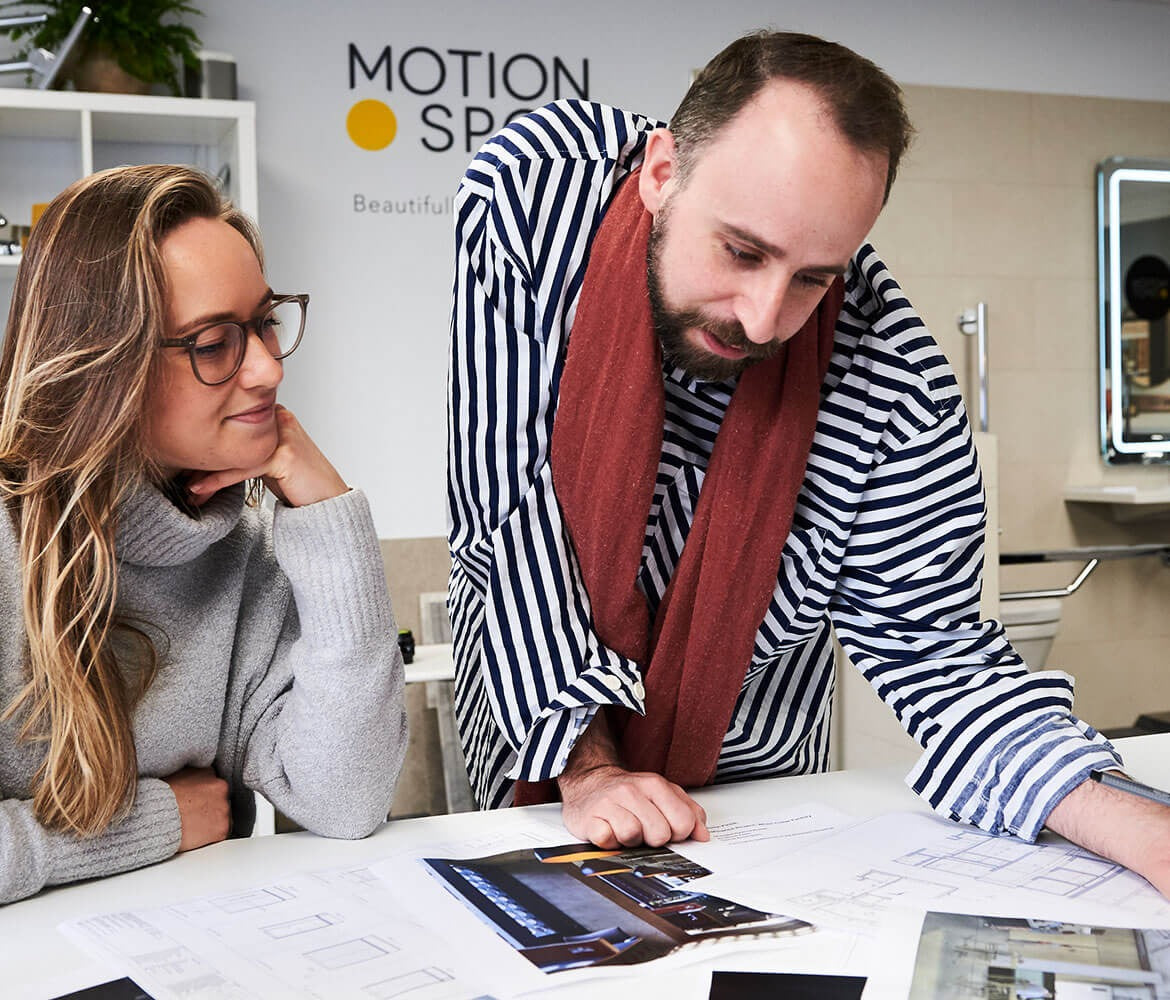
576, 905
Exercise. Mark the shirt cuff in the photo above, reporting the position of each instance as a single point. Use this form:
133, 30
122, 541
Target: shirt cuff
554, 733
1015, 783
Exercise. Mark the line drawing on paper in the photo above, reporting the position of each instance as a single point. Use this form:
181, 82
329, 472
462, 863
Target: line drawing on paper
157, 954
340, 956
396, 986
302, 925
358, 876
1051, 869
869, 893
254, 899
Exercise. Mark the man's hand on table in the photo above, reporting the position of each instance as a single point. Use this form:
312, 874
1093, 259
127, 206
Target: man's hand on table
1125, 828
612, 807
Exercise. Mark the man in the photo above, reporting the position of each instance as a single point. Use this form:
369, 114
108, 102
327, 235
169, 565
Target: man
748, 438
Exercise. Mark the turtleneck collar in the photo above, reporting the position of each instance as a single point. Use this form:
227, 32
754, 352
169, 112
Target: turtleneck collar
152, 531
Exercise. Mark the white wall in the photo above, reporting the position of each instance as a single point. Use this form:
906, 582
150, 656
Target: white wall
370, 380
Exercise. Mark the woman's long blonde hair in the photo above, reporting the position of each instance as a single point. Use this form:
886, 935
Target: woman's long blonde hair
88, 312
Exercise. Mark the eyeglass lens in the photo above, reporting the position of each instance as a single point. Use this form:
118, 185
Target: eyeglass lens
219, 350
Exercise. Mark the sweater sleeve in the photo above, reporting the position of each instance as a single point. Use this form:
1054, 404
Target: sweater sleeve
32, 857
319, 687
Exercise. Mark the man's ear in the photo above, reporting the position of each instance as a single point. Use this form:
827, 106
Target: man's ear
659, 168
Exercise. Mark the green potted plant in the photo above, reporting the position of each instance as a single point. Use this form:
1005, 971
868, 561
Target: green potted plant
128, 45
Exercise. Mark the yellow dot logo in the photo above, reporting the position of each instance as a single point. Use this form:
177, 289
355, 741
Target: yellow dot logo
371, 125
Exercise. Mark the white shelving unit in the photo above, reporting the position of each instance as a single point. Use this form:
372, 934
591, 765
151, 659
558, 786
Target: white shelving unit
48, 139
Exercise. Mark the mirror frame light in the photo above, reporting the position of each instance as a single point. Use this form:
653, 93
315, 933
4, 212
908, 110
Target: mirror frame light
1111, 174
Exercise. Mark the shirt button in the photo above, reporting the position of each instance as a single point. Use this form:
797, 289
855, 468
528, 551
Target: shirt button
639, 690
612, 681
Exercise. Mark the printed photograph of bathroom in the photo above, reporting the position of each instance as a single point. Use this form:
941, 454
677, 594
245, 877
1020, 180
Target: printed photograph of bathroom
965, 957
574, 906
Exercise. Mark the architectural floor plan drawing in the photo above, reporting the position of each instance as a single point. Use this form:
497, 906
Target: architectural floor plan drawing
852, 877
865, 900
324, 934
1056, 869
330, 934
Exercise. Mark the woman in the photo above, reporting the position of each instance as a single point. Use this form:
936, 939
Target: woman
165, 646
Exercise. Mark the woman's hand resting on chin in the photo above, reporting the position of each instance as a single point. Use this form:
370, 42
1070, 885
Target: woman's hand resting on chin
296, 471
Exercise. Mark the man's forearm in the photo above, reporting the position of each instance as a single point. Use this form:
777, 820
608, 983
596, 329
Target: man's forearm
1125, 828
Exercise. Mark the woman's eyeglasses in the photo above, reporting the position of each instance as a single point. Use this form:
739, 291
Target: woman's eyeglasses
218, 350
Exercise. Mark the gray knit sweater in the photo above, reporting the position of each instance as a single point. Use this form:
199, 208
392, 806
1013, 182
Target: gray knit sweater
279, 666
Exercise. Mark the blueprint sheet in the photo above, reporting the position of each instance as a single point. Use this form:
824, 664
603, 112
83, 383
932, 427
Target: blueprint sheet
320, 935
331, 934
852, 878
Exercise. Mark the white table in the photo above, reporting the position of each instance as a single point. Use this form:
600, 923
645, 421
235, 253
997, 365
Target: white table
37, 962
432, 662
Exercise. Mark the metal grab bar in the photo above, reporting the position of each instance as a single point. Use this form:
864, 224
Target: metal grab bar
22, 21
974, 321
1093, 557
1026, 595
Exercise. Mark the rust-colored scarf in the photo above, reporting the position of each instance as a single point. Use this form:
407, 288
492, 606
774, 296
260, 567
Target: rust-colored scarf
606, 447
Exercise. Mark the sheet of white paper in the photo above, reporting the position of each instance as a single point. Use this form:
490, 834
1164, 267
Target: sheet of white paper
332, 934
888, 961
318, 935
852, 878
736, 845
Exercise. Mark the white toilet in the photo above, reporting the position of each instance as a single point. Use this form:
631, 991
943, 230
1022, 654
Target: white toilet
1031, 626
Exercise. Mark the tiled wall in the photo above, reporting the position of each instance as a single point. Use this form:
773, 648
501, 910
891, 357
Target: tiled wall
414, 566
997, 203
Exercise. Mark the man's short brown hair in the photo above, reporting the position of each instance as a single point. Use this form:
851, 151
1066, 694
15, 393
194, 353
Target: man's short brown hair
865, 103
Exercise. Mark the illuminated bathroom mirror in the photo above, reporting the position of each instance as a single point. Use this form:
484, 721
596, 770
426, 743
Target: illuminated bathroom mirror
1133, 247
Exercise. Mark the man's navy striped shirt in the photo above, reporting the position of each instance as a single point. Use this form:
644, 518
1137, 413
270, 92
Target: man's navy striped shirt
886, 546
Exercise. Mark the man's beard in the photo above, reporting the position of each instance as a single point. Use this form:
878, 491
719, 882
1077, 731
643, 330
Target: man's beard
672, 325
